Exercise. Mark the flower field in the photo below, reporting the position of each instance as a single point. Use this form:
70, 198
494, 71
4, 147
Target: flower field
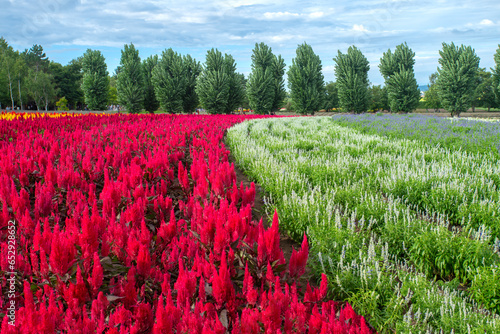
472, 135
407, 230
118, 224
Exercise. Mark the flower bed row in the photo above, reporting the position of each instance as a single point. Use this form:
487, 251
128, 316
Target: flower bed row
138, 224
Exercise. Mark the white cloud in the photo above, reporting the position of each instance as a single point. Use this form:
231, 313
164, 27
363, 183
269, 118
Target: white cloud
280, 15
359, 27
316, 15
291, 15
329, 69
281, 38
486, 22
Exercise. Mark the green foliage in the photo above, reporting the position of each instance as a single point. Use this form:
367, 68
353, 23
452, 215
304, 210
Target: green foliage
351, 71
403, 91
68, 80
70, 87
440, 255
112, 95
151, 103
260, 91
62, 104
193, 70
169, 79
261, 82
7, 62
213, 83
36, 59
219, 88
305, 80
236, 88
95, 82
484, 94
41, 88
402, 59
130, 80
265, 87
457, 77
496, 76
379, 99
332, 96
485, 289
278, 69
432, 99
402, 87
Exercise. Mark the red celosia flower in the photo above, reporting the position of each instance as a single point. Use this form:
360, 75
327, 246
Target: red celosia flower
298, 260
97, 275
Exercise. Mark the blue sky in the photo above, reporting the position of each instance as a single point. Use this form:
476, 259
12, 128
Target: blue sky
66, 28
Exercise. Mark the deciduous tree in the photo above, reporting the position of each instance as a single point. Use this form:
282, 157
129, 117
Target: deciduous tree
219, 87
193, 69
265, 87
379, 99
306, 81
260, 86
332, 96
169, 79
95, 83
457, 77
7, 62
496, 76
151, 103
130, 80
397, 70
432, 99
351, 72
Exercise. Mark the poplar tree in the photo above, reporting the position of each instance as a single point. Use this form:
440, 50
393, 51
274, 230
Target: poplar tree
130, 80
169, 79
260, 86
219, 87
236, 91
278, 68
193, 69
399, 76
305, 80
95, 82
266, 85
351, 71
457, 77
151, 103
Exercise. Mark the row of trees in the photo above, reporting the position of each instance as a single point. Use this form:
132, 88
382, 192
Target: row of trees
177, 83
181, 83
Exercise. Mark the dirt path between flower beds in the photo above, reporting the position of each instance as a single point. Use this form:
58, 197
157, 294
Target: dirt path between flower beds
287, 244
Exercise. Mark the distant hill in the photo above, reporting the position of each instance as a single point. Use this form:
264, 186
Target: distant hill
423, 88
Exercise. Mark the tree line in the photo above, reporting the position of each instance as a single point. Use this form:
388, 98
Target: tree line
178, 83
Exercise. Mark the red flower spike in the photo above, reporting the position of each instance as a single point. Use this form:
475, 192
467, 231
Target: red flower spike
143, 261
269, 274
298, 260
201, 291
249, 290
323, 286
97, 275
